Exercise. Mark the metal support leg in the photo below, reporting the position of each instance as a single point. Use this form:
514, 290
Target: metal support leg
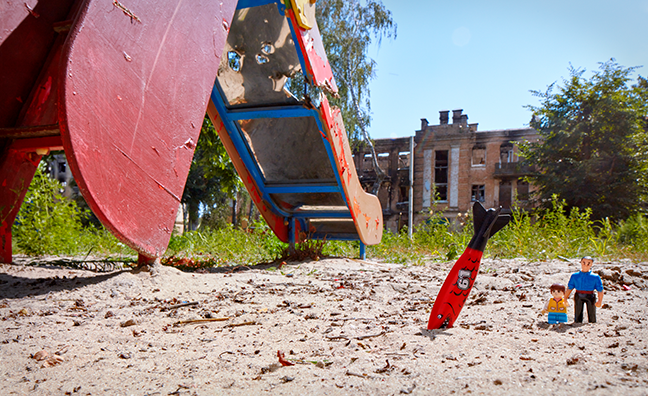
363, 251
150, 264
17, 169
291, 235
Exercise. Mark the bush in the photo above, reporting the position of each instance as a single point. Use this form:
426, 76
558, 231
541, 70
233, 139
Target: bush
49, 223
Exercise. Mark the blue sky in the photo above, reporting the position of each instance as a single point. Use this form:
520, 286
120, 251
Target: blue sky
485, 56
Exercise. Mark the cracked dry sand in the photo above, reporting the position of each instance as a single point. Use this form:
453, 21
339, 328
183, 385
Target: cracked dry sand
348, 326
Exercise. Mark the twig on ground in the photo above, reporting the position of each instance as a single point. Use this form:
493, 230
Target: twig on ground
233, 269
220, 355
371, 336
187, 304
253, 322
337, 337
351, 373
359, 338
182, 322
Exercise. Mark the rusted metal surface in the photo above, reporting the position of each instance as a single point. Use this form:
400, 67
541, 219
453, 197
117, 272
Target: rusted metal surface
123, 87
310, 42
26, 38
288, 150
365, 208
291, 146
135, 87
258, 58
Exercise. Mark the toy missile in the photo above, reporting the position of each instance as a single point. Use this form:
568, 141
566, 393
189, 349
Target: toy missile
460, 280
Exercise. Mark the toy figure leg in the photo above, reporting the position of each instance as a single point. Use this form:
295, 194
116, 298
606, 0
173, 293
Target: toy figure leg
557, 317
589, 300
578, 308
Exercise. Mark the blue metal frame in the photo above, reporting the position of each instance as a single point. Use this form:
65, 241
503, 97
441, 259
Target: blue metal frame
308, 188
255, 3
231, 116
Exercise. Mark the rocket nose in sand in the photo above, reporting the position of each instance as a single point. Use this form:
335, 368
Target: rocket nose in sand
461, 278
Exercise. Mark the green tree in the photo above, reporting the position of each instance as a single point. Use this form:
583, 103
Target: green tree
593, 151
348, 28
212, 177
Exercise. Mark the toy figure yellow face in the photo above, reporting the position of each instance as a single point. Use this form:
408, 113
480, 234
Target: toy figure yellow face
558, 294
586, 264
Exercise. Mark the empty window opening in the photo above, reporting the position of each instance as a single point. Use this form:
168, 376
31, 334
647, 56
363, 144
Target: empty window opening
441, 175
479, 156
478, 193
506, 153
403, 159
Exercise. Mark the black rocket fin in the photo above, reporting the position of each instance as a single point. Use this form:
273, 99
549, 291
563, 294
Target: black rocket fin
501, 222
487, 223
479, 215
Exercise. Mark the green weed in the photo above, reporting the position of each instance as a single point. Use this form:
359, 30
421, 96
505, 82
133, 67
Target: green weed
51, 224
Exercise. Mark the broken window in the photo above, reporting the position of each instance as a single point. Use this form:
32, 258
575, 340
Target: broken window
479, 156
506, 153
403, 159
383, 161
441, 175
478, 193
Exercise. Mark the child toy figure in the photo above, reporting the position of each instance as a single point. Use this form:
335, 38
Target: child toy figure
585, 283
557, 306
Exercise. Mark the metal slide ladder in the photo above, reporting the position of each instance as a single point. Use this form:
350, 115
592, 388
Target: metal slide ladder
288, 145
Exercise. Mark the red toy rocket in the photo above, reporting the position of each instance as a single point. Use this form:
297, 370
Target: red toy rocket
460, 280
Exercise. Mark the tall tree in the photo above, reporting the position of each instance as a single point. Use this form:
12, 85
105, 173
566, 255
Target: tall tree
593, 150
348, 27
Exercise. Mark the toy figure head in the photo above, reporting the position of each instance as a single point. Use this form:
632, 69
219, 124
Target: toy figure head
586, 264
557, 291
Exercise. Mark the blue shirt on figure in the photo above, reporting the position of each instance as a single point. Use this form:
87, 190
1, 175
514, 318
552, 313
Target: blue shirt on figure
585, 281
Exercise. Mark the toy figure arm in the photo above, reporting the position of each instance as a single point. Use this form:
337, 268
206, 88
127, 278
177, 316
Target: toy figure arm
567, 293
546, 307
599, 300
571, 285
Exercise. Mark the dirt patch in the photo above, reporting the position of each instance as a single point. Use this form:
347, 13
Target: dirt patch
334, 326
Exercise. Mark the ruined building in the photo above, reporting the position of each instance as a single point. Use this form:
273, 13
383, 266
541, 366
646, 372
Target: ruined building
454, 166
393, 159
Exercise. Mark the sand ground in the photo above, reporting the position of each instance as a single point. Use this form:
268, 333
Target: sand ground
348, 326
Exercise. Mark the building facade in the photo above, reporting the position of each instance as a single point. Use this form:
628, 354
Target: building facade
455, 165
393, 156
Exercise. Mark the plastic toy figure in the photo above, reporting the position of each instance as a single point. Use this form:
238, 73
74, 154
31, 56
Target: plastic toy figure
460, 280
557, 306
585, 283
